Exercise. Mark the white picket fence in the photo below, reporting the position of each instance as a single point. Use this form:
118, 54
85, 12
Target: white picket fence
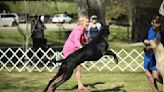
29, 60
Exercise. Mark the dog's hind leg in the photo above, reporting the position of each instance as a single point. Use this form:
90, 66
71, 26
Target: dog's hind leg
56, 84
60, 78
63, 75
55, 79
68, 73
109, 52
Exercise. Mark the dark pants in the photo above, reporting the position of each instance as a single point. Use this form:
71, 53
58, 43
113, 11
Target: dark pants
39, 43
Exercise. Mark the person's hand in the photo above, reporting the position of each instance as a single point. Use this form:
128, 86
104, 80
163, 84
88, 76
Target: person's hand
81, 46
146, 42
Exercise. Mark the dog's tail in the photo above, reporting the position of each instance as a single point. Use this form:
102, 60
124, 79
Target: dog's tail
116, 60
54, 60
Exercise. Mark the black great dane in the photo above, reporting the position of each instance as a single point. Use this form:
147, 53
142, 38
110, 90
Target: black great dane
90, 52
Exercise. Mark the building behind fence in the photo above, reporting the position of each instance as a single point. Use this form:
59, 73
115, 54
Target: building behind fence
40, 60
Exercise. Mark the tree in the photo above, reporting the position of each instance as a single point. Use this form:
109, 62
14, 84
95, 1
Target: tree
4, 7
161, 9
142, 14
92, 7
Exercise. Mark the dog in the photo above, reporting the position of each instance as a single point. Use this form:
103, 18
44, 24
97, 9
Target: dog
93, 51
159, 52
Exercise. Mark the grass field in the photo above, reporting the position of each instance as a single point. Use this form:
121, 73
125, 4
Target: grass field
103, 81
13, 37
54, 37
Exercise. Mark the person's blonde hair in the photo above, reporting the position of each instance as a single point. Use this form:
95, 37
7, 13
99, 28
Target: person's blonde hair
82, 19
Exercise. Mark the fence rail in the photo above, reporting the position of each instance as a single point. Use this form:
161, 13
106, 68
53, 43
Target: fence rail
29, 60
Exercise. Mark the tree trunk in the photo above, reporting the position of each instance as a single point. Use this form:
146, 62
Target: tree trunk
82, 7
161, 9
92, 7
142, 14
4, 7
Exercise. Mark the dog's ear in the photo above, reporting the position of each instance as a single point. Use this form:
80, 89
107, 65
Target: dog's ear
102, 24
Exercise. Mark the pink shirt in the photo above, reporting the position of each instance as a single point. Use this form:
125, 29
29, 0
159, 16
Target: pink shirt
74, 41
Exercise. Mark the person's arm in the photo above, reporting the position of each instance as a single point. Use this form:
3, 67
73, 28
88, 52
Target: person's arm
149, 37
98, 26
32, 26
146, 41
78, 33
89, 26
85, 38
43, 26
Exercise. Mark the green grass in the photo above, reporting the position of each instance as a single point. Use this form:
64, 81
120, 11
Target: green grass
104, 81
55, 37
10, 37
119, 34
117, 38
13, 37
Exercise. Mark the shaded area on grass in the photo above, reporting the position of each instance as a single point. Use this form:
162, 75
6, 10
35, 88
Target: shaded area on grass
115, 89
103, 81
92, 85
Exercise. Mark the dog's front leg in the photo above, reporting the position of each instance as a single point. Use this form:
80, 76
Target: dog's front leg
109, 52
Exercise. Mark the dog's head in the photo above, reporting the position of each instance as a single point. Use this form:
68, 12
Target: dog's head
154, 43
150, 48
105, 29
